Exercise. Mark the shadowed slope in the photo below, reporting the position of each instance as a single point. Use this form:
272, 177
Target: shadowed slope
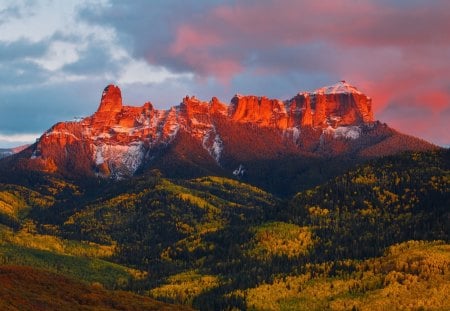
25, 288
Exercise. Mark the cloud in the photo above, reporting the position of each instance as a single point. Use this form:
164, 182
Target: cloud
93, 60
19, 74
419, 121
22, 48
14, 140
395, 51
59, 54
140, 72
13, 10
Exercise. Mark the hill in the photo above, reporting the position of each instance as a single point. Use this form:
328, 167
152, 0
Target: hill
215, 243
409, 276
26, 288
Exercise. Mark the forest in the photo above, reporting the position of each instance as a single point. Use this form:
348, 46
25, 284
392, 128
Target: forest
372, 238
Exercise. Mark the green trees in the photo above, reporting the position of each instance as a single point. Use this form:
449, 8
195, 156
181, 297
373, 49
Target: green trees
381, 203
217, 243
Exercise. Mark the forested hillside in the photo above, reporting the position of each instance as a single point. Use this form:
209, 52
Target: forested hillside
29, 289
375, 236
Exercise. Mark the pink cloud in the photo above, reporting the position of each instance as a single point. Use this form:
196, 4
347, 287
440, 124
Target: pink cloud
188, 37
194, 47
439, 99
396, 53
432, 127
346, 24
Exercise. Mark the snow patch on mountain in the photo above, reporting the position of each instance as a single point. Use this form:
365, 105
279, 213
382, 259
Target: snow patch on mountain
134, 156
121, 129
214, 146
292, 133
341, 87
239, 172
60, 134
295, 134
348, 132
173, 130
217, 148
99, 157
123, 160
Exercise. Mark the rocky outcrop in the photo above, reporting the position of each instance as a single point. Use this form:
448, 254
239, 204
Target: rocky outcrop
117, 140
260, 110
337, 105
111, 101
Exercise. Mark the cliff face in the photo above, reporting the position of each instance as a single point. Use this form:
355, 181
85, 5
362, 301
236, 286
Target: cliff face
117, 140
337, 105
260, 110
323, 110
111, 101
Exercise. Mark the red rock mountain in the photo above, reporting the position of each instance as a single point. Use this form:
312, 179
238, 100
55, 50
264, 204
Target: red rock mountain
119, 140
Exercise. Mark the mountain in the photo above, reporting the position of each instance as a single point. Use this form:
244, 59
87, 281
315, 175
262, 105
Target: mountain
262, 204
256, 139
5, 153
10, 151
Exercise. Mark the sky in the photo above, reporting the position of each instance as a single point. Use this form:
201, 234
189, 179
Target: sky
57, 56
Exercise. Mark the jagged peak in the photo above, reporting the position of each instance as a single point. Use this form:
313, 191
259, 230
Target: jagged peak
111, 100
192, 100
215, 105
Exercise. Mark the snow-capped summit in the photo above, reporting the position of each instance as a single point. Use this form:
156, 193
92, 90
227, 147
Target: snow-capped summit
342, 87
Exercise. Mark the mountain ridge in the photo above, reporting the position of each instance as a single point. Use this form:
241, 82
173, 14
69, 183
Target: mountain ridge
6, 152
118, 141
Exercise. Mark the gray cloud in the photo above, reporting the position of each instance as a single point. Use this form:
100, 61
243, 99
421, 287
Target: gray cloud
22, 48
13, 11
95, 60
395, 51
149, 27
21, 73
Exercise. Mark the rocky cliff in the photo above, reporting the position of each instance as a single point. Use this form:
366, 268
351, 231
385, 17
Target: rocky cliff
119, 140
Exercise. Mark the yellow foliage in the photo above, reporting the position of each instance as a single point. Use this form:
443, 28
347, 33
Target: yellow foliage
15, 200
411, 276
59, 185
365, 180
387, 197
318, 211
440, 183
57, 245
280, 239
198, 201
10, 204
184, 287
209, 180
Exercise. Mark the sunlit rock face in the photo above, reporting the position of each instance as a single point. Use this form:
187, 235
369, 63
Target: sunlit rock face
111, 100
260, 110
337, 105
118, 140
